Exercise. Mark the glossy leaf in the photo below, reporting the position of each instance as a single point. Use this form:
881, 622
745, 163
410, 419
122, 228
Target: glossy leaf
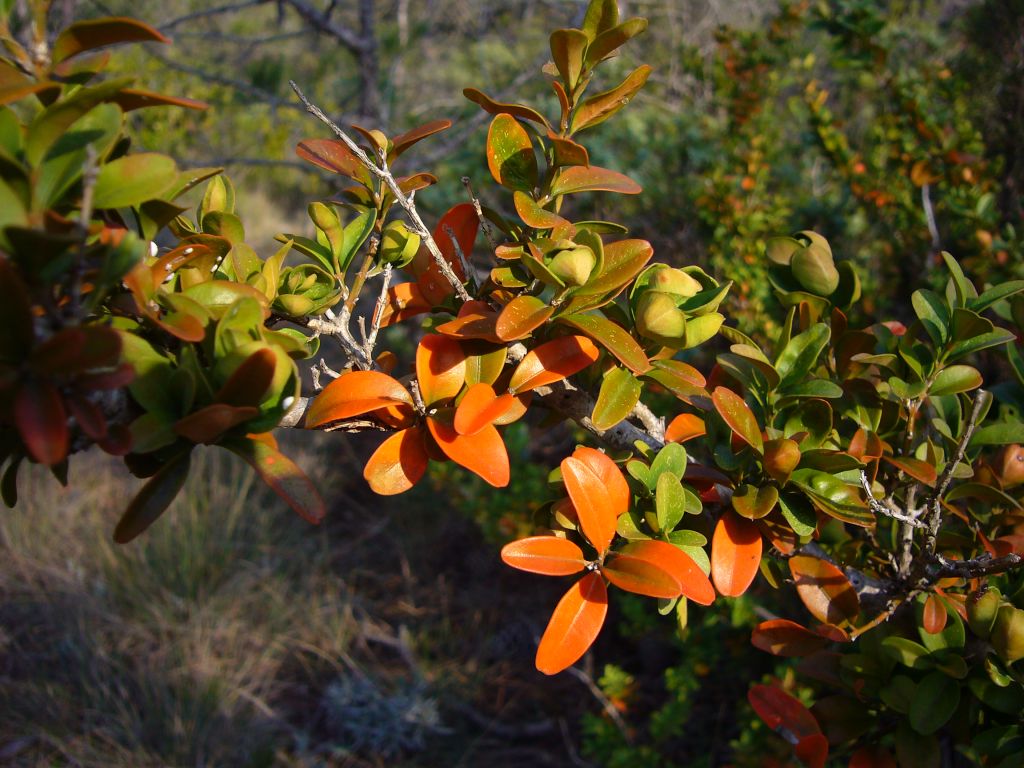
685, 426
510, 155
533, 215
493, 107
574, 625
669, 501
440, 368
754, 503
398, 464
670, 560
208, 424
401, 143
548, 555
824, 589
463, 222
479, 407
134, 179
781, 637
917, 469
781, 457
333, 155
482, 453
612, 337
634, 570
353, 394
619, 392
553, 361
153, 498
521, 317
594, 506
735, 554
95, 33
580, 178
612, 39
599, 108
955, 379
738, 416
934, 615
567, 49
615, 485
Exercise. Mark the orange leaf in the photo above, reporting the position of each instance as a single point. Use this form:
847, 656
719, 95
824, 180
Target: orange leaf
574, 625
463, 221
934, 618
781, 711
548, 555
735, 554
553, 361
398, 464
917, 469
615, 484
824, 589
479, 408
440, 368
476, 320
646, 568
521, 317
403, 301
781, 457
737, 414
482, 453
781, 637
353, 394
683, 427
593, 504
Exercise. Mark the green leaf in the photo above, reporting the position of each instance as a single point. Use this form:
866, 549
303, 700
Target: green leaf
612, 337
620, 391
801, 355
935, 700
754, 503
356, 232
799, 513
510, 155
154, 498
814, 388
134, 179
611, 40
962, 286
906, 652
53, 122
995, 294
579, 178
1005, 433
955, 379
671, 459
601, 16
933, 313
994, 338
670, 503
567, 49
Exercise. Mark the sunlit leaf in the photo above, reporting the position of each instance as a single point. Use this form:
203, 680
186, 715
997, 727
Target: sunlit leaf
596, 510
521, 317
440, 368
619, 392
548, 555
735, 554
781, 637
612, 337
553, 361
738, 416
480, 407
510, 155
482, 453
574, 625
96, 33
615, 485
824, 589
917, 469
580, 178
398, 464
353, 394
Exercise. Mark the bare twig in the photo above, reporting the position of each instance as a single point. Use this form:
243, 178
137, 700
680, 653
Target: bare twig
466, 268
888, 510
614, 715
485, 225
985, 565
384, 174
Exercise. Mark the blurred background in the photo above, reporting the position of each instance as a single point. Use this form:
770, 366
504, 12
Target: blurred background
232, 634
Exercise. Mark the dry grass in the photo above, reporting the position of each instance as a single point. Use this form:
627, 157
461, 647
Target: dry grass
234, 634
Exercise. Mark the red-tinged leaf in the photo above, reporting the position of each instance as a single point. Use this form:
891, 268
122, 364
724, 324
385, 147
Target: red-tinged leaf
250, 380
833, 633
782, 712
493, 107
921, 471
208, 425
682, 380
183, 326
781, 637
462, 220
14, 85
282, 475
567, 49
353, 394
574, 625
781, 457
593, 504
812, 750
738, 416
639, 573
865, 446
934, 617
548, 555
333, 155
482, 453
872, 757
567, 152
553, 361
416, 182
401, 143
42, 422
611, 477
580, 178
153, 498
480, 407
398, 464
96, 33
534, 216
612, 337
130, 99
88, 415
824, 589
73, 350
440, 368
521, 317
623, 260
735, 554
754, 503
510, 155
599, 108
685, 426
403, 301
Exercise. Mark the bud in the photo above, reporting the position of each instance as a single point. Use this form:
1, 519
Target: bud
981, 612
672, 280
658, 318
1008, 634
574, 264
398, 245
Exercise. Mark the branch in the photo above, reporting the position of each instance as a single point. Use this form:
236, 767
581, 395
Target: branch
985, 565
382, 172
322, 23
